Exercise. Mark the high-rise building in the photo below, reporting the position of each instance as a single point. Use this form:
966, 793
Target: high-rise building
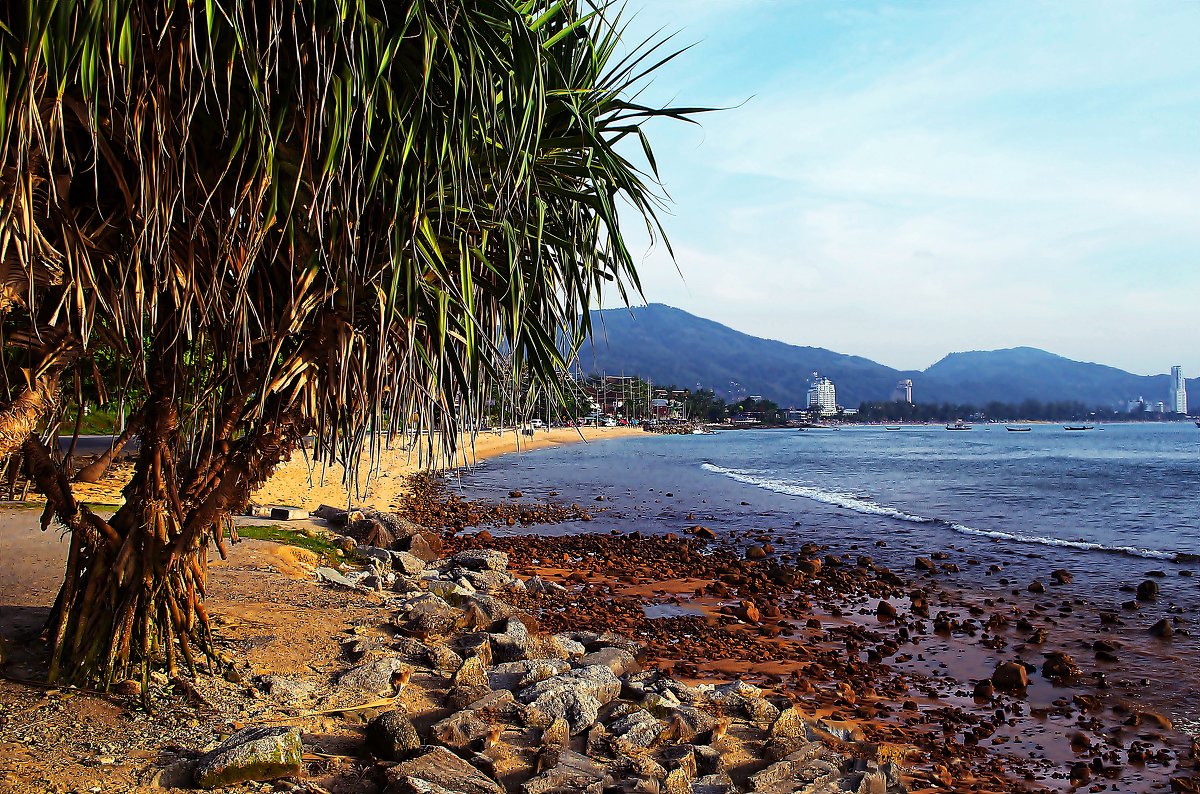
903, 392
1178, 401
821, 395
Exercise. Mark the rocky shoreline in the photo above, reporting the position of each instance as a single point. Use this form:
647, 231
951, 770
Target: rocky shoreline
474, 664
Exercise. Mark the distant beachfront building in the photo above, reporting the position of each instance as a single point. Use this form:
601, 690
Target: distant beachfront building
821, 395
903, 392
1178, 401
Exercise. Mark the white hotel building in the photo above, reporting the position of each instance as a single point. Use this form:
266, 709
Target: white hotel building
1178, 402
821, 395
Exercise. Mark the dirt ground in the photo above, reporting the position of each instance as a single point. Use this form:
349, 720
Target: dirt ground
268, 612
65, 740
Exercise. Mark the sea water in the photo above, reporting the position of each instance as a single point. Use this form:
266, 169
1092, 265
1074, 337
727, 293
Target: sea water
1111, 505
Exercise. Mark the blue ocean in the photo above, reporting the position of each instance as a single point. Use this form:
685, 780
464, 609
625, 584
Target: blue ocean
1112, 506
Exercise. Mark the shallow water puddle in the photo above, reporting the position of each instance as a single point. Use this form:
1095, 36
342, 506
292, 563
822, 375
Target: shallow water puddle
660, 611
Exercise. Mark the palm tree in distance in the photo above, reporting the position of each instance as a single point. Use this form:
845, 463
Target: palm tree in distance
261, 221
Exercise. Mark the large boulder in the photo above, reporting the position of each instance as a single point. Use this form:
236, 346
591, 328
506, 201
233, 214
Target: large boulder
426, 546
407, 564
621, 662
639, 728
426, 615
441, 768
1010, 677
391, 736
374, 677
575, 696
251, 754
481, 560
572, 772
512, 643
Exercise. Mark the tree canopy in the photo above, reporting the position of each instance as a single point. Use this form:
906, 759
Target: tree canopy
259, 221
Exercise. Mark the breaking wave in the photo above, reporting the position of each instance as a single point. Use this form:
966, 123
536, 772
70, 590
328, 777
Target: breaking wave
864, 504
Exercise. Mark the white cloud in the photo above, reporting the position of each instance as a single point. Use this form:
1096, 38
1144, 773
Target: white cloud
924, 179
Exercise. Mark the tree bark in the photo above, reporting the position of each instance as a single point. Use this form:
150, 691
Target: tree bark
133, 595
92, 472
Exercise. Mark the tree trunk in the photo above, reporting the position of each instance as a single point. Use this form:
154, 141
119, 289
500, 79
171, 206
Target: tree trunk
133, 595
95, 470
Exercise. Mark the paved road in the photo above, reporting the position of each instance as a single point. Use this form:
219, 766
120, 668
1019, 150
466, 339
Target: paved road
95, 445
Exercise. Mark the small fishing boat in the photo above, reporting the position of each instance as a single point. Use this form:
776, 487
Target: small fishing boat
1018, 429
896, 428
1079, 427
959, 425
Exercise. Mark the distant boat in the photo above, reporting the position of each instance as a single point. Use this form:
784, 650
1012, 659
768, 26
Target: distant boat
896, 428
1018, 429
959, 425
1079, 427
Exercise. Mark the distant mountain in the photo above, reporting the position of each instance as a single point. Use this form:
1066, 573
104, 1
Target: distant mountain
674, 347
1026, 373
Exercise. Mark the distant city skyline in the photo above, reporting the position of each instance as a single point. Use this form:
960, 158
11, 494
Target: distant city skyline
903, 181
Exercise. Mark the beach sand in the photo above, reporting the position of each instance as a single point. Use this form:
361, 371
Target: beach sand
296, 484
299, 483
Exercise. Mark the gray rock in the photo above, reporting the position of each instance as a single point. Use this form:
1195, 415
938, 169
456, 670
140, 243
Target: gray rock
814, 765
470, 673
426, 616
621, 662
639, 728
391, 736
285, 690
740, 697
382, 558
712, 784
574, 648
511, 644
333, 577
373, 676
443, 658
251, 754
407, 564
481, 560
413, 651
478, 645
576, 696
536, 584
492, 608
573, 772
517, 675
482, 581
441, 768
425, 546
461, 697
790, 724
598, 681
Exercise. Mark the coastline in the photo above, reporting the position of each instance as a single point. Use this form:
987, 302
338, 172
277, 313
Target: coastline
298, 484
807, 626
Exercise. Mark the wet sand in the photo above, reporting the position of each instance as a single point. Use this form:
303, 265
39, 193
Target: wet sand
807, 623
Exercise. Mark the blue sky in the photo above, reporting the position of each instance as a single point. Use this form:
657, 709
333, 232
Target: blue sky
901, 181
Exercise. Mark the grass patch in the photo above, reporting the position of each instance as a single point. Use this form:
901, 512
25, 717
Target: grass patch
329, 554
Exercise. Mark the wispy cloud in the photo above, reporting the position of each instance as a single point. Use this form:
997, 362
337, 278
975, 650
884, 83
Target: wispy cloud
911, 180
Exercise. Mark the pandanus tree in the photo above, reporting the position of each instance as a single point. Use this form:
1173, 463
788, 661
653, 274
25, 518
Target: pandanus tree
280, 220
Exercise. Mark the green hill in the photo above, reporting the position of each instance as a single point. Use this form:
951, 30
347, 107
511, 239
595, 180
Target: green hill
673, 347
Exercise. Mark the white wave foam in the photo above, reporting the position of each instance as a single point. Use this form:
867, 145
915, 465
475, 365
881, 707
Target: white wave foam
860, 504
